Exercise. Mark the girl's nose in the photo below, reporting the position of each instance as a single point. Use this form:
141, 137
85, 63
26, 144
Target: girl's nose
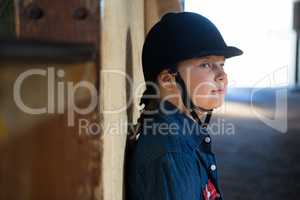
221, 76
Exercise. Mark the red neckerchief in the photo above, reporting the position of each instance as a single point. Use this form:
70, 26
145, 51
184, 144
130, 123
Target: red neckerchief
210, 192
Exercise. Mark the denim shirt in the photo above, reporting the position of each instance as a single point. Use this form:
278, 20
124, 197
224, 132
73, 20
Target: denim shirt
172, 160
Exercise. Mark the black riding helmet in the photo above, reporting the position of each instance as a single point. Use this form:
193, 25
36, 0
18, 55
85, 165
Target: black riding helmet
177, 37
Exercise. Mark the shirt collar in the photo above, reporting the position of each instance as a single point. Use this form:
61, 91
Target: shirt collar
188, 126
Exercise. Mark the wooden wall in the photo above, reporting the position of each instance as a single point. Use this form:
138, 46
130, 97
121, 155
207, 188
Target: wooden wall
41, 156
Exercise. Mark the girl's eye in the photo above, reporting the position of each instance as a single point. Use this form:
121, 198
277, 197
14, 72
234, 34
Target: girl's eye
205, 65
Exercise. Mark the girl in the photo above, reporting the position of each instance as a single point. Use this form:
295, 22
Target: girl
170, 155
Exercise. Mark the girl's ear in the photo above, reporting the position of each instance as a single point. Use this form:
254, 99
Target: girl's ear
166, 80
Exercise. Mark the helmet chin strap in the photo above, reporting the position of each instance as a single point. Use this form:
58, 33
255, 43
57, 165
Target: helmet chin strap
188, 103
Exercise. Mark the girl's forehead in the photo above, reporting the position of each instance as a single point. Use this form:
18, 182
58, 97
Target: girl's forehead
197, 60
212, 58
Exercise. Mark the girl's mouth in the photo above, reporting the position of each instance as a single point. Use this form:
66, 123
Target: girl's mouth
218, 91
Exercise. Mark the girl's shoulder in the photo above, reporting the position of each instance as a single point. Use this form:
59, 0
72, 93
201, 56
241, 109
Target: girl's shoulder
162, 134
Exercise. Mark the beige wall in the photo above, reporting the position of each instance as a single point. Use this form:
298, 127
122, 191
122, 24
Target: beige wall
122, 37
124, 24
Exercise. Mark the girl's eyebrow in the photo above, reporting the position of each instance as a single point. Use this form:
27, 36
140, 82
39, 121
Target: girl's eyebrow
207, 59
202, 59
197, 62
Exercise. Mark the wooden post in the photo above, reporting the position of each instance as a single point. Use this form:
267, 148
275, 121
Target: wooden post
43, 157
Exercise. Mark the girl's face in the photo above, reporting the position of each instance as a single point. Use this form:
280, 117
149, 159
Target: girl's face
205, 79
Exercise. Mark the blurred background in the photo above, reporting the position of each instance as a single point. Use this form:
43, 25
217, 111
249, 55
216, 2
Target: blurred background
263, 29
260, 158
71, 79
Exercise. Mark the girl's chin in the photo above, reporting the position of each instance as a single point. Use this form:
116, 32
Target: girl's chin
212, 103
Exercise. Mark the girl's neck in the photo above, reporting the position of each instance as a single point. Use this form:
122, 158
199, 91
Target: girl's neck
179, 104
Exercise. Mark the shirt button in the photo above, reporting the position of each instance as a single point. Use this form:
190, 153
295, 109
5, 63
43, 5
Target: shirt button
207, 139
213, 167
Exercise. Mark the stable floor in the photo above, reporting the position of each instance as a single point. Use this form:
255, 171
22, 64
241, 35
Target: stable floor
256, 156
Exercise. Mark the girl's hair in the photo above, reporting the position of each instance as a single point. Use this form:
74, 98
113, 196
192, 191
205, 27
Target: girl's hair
148, 104
133, 132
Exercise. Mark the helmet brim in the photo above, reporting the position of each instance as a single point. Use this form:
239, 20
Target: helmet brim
227, 52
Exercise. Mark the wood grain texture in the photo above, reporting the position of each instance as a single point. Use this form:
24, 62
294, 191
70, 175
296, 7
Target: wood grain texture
58, 22
154, 9
52, 161
49, 159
